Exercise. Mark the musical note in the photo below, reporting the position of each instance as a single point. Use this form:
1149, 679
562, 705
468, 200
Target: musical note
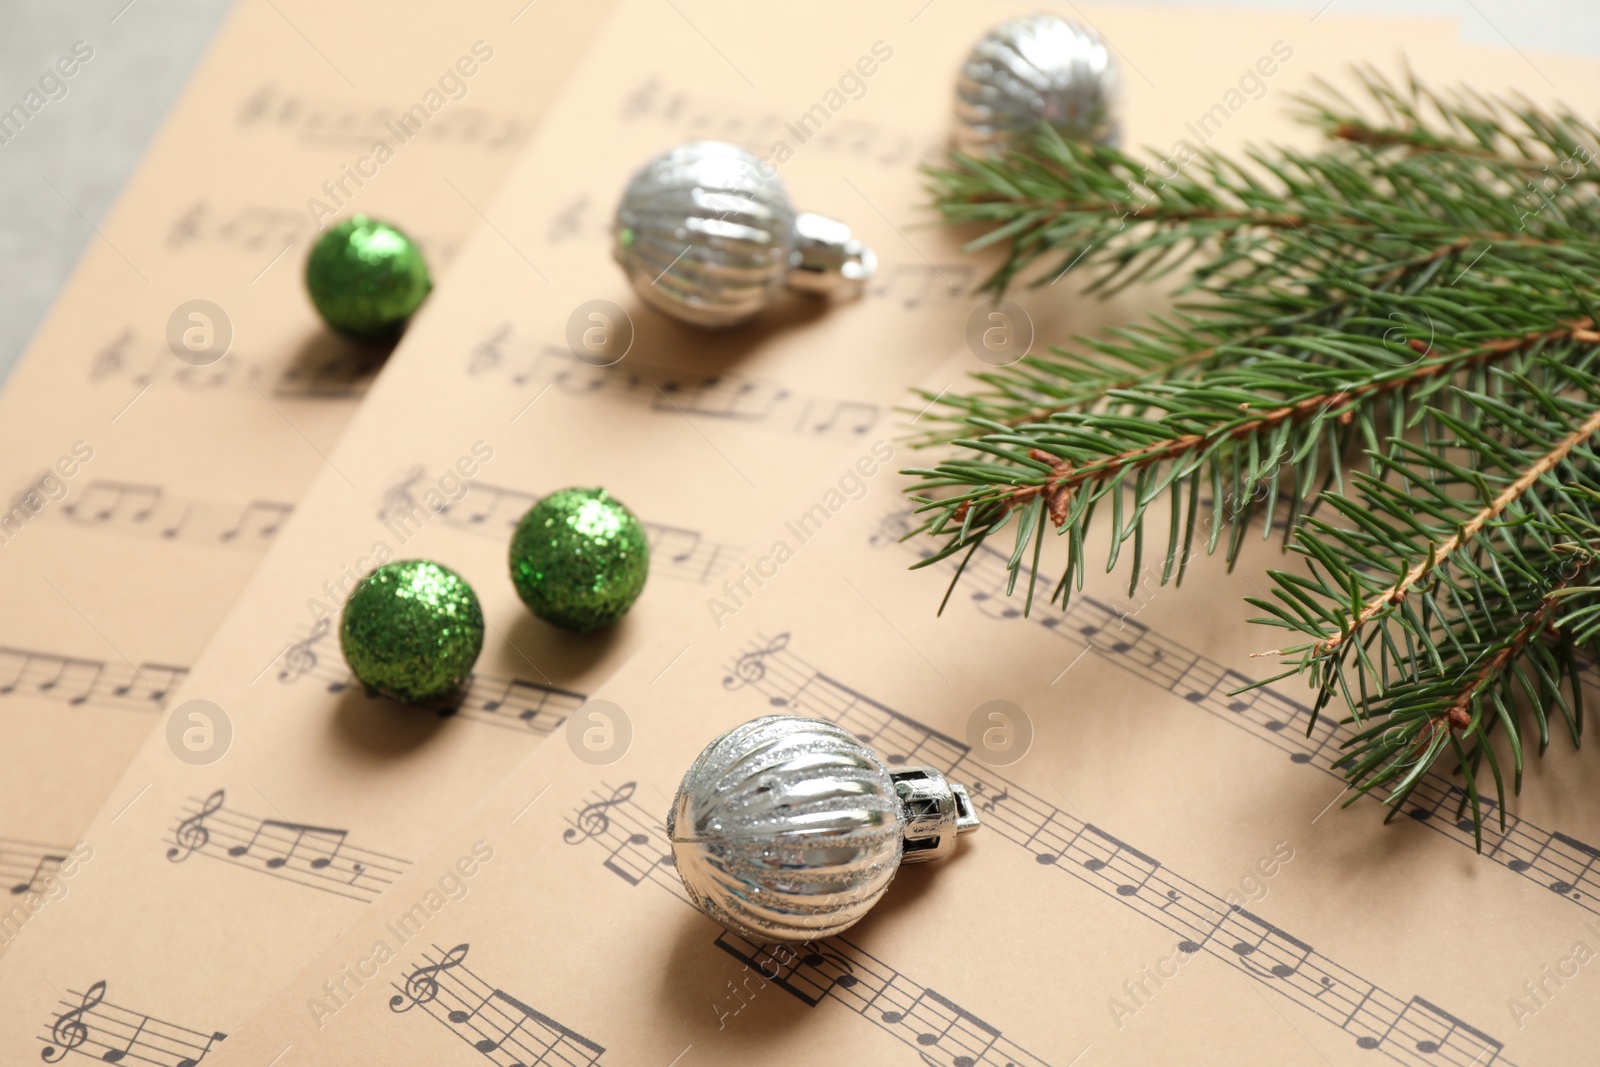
74, 680
1430, 1029
593, 820
748, 401
422, 985
317, 857
490, 1019
632, 861
1567, 886
116, 1055
990, 803
319, 837
677, 544
119, 1034
1266, 936
134, 510
696, 117
193, 1061
1125, 887
268, 518
78, 682
971, 1036
103, 501
914, 283
192, 834
69, 1030
40, 872
848, 417
752, 666
255, 228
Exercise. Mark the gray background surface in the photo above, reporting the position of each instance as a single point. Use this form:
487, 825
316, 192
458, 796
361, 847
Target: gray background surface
60, 176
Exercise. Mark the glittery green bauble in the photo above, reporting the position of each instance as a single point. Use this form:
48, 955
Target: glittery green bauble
366, 277
412, 630
579, 559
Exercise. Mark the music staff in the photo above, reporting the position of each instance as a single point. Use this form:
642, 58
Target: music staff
1554, 860
747, 401
129, 509
78, 681
90, 1025
698, 117
508, 703
27, 866
253, 227
487, 1017
337, 372
264, 230
1204, 921
915, 284
323, 120
493, 511
319, 857
637, 850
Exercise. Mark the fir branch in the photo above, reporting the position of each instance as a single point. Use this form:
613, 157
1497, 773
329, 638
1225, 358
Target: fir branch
1464, 124
1540, 467
1489, 582
1399, 328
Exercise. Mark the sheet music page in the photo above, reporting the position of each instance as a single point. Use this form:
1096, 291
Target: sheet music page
1163, 871
138, 490
1162, 874
335, 788
317, 792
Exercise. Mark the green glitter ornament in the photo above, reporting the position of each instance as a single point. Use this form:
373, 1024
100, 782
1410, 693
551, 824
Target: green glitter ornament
412, 630
579, 559
366, 277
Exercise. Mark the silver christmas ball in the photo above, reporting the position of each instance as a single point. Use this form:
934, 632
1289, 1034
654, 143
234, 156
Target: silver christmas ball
1032, 69
706, 233
790, 829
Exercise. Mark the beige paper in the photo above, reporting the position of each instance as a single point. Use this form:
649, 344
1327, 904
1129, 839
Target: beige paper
343, 789
1162, 874
164, 481
346, 786
1198, 832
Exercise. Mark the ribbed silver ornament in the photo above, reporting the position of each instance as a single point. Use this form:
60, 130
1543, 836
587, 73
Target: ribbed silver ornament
1032, 69
706, 233
786, 829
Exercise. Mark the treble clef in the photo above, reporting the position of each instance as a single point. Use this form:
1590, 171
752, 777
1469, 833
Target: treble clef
192, 834
299, 658
422, 985
592, 820
398, 500
752, 666
69, 1030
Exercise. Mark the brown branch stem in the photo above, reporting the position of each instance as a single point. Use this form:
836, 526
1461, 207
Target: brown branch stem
1469, 529
1068, 479
1201, 355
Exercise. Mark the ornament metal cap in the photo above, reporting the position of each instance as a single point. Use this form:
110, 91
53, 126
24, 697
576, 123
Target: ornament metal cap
706, 233
790, 829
